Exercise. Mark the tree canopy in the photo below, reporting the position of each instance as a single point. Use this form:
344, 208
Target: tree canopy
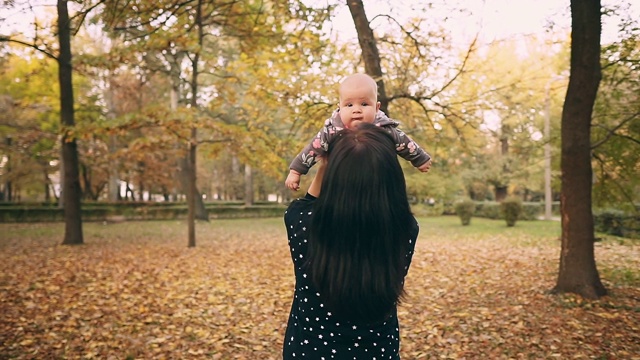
266, 81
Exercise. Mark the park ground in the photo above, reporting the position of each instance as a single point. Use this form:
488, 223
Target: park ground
135, 291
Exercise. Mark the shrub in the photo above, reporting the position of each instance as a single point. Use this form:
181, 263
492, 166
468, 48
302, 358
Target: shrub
151, 211
532, 211
493, 210
617, 222
488, 209
465, 209
427, 210
511, 209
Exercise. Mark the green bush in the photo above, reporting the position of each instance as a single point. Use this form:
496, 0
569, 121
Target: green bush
427, 210
511, 209
465, 209
151, 211
488, 209
531, 211
617, 222
493, 210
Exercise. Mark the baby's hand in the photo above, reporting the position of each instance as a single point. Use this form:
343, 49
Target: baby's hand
425, 167
293, 180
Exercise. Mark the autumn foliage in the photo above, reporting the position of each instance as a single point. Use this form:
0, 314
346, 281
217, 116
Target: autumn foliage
135, 291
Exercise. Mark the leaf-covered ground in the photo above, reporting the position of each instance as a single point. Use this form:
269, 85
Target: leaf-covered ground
135, 291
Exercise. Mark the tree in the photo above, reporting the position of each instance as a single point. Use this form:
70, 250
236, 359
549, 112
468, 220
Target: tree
616, 128
578, 273
71, 189
71, 184
192, 191
196, 43
28, 126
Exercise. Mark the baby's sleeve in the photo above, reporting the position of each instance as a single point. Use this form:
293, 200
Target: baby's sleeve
407, 148
317, 147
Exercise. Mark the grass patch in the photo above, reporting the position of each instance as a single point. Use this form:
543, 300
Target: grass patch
622, 275
526, 233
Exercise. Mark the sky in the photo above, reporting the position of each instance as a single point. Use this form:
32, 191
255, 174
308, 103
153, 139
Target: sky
493, 19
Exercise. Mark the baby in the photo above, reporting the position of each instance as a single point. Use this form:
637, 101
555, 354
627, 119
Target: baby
358, 104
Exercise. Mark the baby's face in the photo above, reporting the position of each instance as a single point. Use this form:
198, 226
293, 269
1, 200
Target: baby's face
358, 104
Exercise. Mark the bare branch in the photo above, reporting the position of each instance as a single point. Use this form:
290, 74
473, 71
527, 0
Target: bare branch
29, 45
214, 141
612, 132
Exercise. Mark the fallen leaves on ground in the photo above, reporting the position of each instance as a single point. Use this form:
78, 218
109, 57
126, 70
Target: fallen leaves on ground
151, 297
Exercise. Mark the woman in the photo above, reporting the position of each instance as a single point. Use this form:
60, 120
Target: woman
351, 240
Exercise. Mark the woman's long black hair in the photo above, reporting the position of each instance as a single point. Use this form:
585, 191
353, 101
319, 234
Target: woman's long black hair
360, 227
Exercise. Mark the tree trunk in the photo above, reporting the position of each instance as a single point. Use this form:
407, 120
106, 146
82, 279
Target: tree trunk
128, 190
502, 189
86, 178
185, 178
174, 74
61, 172
370, 53
72, 190
114, 183
578, 273
193, 141
218, 182
500, 192
248, 186
192, 191
8, 187
47, 183
235, 186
